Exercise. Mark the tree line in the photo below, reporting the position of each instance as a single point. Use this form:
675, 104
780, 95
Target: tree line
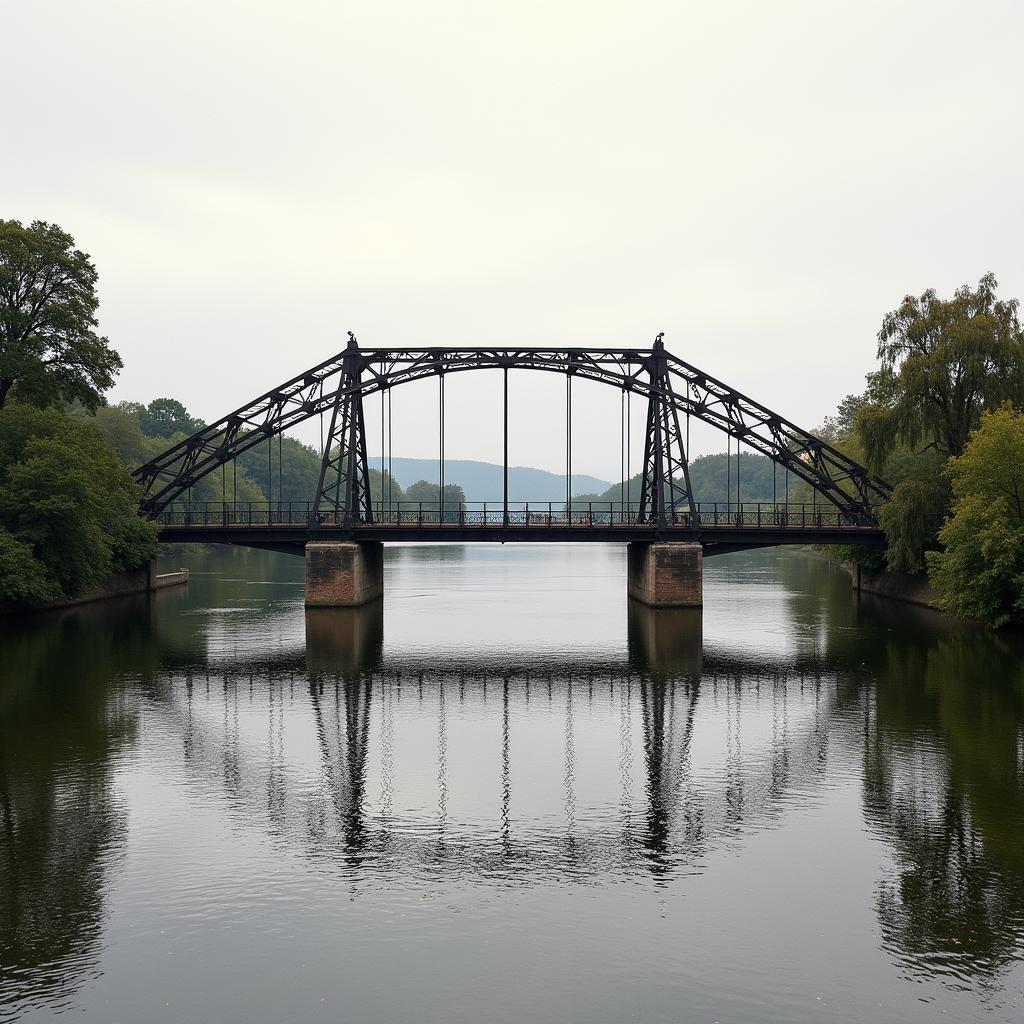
715, 479
940, 419
68, 504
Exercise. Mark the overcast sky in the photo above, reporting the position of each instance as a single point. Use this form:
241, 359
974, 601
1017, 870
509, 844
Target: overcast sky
761, 181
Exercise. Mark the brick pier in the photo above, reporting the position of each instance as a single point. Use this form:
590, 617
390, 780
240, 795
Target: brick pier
341, 574
666, 575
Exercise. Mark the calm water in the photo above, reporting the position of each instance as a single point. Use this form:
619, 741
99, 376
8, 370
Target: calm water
508, 796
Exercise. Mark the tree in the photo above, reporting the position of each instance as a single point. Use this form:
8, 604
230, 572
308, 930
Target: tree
165, 417
943, 363
67, 499
294, 469
427, 495
22, 578
980, 574
120, 426
49, 349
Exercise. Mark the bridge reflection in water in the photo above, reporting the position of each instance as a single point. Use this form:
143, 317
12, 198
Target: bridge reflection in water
404, 778
317, 757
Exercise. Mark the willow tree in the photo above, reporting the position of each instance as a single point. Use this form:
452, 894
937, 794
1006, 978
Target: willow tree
944, 362
49, 349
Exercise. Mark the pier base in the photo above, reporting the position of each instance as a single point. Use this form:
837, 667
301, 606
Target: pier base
343, 574
666, 575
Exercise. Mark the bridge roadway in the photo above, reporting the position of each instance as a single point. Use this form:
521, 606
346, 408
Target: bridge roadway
345, 560
719, 528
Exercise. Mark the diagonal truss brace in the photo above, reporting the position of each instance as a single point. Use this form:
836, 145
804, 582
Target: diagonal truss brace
686, 389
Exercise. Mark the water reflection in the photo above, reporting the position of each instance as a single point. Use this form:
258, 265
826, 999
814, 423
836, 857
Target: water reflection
344, 641
396, 768
944, 784
666, 641
62, 825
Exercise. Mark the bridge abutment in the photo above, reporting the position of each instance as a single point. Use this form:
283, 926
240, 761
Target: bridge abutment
666, 575
343, 574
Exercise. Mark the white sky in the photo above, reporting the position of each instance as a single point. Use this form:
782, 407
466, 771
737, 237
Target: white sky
761, 181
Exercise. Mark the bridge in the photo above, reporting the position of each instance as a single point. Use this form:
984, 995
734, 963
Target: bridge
341, 529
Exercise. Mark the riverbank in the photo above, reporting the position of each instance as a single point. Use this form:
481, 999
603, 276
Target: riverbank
119, 585
899, 586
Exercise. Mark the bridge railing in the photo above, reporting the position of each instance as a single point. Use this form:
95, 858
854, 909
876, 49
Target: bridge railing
522, 515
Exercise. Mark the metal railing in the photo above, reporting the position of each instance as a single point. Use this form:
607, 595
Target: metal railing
528, 515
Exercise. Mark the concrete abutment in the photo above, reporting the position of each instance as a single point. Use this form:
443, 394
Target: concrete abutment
343, 574
666, 575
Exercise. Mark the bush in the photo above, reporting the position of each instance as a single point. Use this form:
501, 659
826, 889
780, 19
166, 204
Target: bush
980, 574
67, 500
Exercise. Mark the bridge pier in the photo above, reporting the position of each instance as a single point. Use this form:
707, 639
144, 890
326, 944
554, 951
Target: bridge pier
666, 575
343, 574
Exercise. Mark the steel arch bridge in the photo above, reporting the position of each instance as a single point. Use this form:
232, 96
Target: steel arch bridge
673, 388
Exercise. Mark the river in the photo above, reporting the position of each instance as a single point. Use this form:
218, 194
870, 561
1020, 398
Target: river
509, 795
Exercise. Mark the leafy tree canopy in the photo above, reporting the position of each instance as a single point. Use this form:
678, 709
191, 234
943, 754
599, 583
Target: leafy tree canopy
165, 417
68, 506
980, 574
49, 349
944, 361
430, 494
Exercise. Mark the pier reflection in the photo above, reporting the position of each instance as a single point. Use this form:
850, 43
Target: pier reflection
483, 767
667, 641
344, 641
516, 766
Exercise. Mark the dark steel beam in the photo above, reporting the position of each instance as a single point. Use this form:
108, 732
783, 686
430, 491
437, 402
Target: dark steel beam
682, 387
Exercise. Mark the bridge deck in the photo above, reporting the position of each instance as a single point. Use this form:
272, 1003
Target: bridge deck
723, 537
717, 527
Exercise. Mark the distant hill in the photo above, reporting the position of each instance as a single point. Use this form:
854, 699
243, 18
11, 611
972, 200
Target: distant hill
713, 478
483, 481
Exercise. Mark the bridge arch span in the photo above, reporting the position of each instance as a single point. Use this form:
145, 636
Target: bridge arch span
673, 387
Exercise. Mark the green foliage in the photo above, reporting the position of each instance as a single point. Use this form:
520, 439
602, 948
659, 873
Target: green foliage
870, 558
980, 574
49, 349
386, 489
68, 500
714, 479
904, 517
294, 470
943, 363
165, 417
430, 494
839, 429
120, 426
22, 577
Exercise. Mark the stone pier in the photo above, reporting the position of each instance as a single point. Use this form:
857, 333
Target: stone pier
342, 574
666, 575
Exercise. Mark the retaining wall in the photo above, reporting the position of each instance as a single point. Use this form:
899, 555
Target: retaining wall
119, 585
900, 586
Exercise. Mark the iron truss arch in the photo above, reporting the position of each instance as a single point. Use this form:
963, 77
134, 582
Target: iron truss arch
672, 387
